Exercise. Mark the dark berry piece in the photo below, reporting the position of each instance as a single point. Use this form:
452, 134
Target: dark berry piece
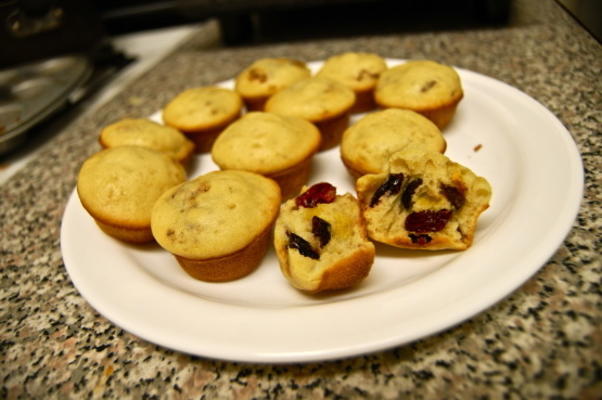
321, 229
297, 242
391, 186
421, 239
316, 194
428, 86
454, 195
427, 221
406, 197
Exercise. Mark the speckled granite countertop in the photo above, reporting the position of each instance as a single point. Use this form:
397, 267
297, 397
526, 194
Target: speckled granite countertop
543, 341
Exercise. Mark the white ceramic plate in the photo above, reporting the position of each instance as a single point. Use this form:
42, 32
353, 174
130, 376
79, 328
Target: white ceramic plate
502, 134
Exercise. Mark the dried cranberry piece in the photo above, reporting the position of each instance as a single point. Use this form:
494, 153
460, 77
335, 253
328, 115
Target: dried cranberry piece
297, 242
318, 193
406, 197
420, 239
321, 229
428, 86
392, 186
427, 221
454, 195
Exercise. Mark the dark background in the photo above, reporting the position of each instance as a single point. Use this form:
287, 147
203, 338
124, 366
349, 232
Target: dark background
38, 29
85, 25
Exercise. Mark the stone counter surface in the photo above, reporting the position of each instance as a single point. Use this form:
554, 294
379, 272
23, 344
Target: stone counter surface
543, 341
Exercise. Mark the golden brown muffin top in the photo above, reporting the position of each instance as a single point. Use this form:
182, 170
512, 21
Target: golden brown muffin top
265, 143
314, 99
367, 145
119, 185
215, 214
147, 133
266, 76
358, 71
203, 108
418, 85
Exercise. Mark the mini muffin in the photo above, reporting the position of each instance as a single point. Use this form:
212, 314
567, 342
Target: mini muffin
218, 225
202, 113
266, 76
432, 89
321, 241
367, 145
119, 186
272, 145
423, 201
147, 133
359, 72
322, 101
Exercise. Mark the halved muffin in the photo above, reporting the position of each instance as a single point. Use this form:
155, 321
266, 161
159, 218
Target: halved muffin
423, 201
324, 102
265, 77
427, 87
218, 225
146, 133
367, 145
321, 241
119, 186
276, 146
202, 113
